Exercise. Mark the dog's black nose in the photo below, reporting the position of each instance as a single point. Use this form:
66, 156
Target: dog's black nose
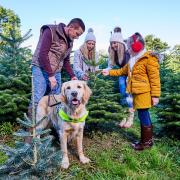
74, 93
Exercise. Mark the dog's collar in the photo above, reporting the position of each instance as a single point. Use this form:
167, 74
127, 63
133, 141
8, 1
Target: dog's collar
66, 118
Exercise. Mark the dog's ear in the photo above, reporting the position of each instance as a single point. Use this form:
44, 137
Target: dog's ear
63, 96
87, 93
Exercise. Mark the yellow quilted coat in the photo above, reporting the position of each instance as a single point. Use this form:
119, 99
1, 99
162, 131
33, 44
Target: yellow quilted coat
144, 81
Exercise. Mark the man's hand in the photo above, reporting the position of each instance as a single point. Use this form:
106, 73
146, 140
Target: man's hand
155, 101
74, 78
52, 81
85, 77
105, 72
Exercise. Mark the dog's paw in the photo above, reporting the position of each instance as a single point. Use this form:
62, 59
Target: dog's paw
65, 163
84, 159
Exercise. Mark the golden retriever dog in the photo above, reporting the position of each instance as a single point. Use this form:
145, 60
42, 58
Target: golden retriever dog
68, 118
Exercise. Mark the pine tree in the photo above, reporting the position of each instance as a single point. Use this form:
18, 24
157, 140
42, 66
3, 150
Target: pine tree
104, 108
14, 60
169, 106
35, 160
14, 68
155, 44
25, 161
14, 97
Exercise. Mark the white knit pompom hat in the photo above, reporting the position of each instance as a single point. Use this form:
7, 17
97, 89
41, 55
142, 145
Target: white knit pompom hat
116, 37
90, 35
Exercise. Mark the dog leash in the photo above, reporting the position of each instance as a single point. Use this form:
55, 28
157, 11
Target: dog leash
56, 102
52, 94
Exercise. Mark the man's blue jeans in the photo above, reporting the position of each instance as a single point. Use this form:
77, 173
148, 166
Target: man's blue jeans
41, 83
126, 98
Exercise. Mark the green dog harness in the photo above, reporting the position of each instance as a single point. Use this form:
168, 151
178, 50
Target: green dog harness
66, 118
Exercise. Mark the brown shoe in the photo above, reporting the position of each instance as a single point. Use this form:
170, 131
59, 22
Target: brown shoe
146, 139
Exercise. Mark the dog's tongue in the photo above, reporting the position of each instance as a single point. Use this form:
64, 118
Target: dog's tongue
75, 102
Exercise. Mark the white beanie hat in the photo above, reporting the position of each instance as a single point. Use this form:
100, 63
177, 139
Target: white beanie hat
117, 36
90, 35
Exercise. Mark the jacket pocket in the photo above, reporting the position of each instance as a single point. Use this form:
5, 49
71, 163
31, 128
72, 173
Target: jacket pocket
140, 86
140, 80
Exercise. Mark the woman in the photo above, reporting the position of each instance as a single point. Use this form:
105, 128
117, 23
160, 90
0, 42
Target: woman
119, 56
87, 52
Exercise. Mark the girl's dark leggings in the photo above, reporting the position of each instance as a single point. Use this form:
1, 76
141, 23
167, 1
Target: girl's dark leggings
144, 117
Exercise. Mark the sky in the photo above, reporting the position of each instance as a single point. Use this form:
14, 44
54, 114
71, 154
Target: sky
158, 17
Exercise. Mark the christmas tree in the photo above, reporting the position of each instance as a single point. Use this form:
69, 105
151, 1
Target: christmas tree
15, 81
169, 106
37, 159
14, 97
104, 107
14, 59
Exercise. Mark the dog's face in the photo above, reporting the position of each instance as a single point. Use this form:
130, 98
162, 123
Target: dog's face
75, 92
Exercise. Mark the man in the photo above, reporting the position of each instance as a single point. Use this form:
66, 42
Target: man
51, 55
87, 52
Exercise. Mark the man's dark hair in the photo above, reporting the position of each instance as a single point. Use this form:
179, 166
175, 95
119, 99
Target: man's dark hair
77, 22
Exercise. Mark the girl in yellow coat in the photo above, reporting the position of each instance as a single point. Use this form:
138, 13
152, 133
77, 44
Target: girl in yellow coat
143, 83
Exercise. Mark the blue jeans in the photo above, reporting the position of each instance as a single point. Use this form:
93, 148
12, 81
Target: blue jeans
127, 98
41, 83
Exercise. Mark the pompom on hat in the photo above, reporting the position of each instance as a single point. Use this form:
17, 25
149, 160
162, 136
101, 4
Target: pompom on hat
90, 35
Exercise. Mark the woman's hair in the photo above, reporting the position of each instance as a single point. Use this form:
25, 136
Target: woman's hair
120, 54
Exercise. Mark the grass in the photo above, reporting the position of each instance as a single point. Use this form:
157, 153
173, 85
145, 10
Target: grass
113, 158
